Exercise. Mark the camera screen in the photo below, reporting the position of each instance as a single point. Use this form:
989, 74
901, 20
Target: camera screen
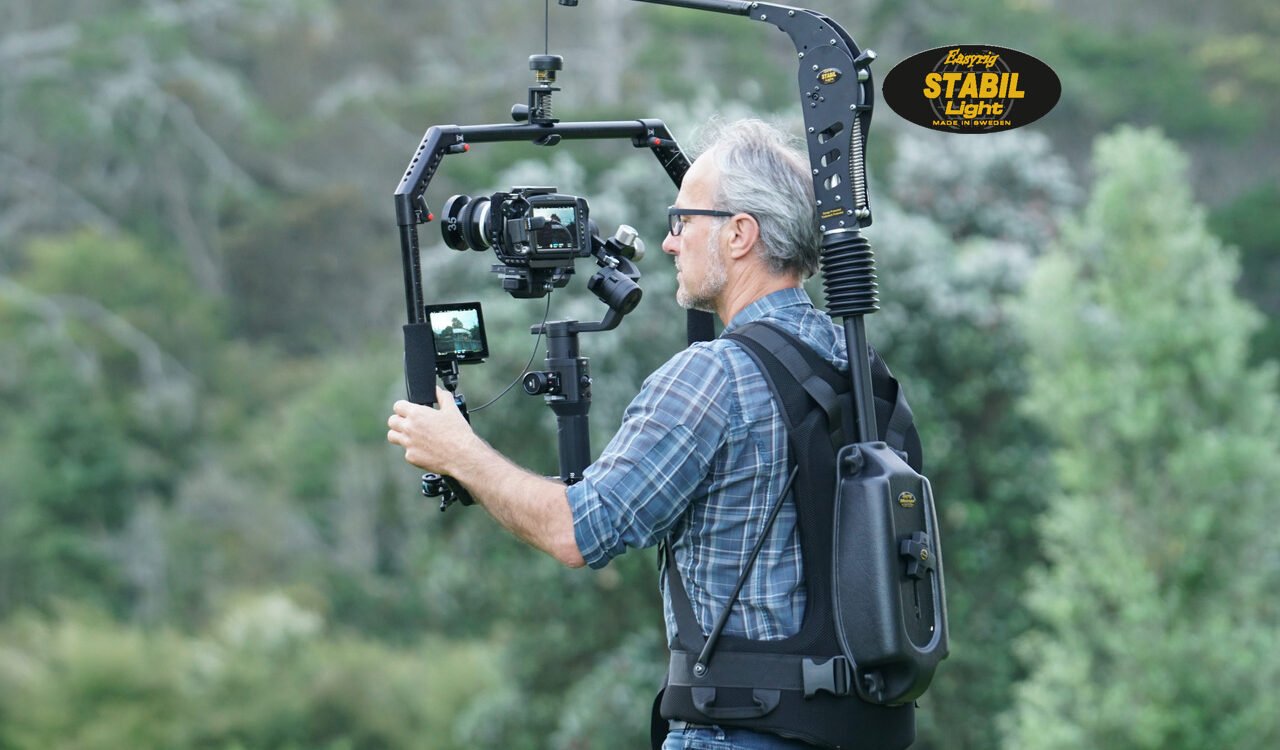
559, 230
459, 331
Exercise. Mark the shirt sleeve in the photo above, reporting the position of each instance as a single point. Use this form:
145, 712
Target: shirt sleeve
651, 469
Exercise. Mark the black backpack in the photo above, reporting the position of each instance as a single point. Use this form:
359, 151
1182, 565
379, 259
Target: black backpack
875, 628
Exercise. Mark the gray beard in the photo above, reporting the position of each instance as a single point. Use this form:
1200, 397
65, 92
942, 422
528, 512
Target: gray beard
713, 283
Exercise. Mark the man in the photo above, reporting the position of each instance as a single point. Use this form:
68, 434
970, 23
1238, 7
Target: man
702, 451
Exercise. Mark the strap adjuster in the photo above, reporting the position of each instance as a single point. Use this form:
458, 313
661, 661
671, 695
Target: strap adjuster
834, 675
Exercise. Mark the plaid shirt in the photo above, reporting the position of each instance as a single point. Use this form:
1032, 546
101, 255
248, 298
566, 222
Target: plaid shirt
702, 455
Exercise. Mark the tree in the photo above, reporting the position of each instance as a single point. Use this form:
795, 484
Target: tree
957, 231
98, 409
1157, 607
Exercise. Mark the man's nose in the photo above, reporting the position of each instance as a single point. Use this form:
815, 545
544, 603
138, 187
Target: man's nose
671, 244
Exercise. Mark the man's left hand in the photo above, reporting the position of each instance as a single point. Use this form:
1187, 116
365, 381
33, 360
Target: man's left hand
431, 437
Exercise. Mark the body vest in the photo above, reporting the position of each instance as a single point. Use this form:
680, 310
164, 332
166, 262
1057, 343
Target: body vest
848, 678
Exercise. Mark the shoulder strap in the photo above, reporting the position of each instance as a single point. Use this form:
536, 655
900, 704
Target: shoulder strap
826, 386
773, 347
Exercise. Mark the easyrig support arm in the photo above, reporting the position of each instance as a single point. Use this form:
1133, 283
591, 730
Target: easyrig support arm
837, 95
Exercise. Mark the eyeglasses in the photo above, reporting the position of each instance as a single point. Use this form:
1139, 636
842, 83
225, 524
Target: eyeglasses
676, 217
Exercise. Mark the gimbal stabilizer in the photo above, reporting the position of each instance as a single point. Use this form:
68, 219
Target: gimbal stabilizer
836, 94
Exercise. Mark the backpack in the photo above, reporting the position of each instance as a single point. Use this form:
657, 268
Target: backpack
875, 627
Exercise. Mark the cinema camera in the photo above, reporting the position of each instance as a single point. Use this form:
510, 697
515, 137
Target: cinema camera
537, 234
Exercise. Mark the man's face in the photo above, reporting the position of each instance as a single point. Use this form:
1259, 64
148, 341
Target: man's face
701, 270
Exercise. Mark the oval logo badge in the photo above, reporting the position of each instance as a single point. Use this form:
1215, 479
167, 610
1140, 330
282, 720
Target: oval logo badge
971, 88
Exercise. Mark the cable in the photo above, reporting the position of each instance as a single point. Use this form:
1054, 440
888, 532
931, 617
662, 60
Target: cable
546, 29
546, 314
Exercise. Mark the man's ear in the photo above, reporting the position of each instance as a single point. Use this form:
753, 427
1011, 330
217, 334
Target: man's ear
743, 232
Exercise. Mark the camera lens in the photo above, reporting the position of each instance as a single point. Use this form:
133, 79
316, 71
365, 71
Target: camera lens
464, 222
475, 218
450, 229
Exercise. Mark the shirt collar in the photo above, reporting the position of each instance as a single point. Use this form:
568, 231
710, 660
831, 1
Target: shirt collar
769, 303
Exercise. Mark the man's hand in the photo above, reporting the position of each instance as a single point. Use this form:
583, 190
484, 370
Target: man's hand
431, 437
532, 507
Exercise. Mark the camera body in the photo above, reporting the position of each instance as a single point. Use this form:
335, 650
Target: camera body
527, 227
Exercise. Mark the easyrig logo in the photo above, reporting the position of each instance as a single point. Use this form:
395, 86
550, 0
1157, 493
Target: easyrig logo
970, 88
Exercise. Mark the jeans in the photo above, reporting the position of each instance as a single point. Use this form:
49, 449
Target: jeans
698, 737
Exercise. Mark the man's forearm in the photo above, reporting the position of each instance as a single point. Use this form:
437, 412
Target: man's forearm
532, 507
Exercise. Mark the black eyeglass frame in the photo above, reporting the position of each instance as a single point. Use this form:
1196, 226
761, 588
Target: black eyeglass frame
675, 224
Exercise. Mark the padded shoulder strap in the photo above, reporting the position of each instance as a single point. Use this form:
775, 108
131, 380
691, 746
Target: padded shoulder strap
773, 348
826, 386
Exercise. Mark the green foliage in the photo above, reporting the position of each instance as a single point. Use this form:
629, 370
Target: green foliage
266, 675
610, 707
64, 484
1251, 223
1156, 612
980, 211
97, 405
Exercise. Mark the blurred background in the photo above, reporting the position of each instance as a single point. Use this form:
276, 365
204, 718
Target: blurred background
205, 541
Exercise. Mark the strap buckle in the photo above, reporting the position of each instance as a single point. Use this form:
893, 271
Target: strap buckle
834, 675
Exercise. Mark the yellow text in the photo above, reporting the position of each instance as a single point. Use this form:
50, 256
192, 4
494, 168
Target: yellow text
973, 86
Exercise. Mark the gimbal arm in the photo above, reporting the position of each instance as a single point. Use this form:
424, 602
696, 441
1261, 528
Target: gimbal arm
411, 207
441, 140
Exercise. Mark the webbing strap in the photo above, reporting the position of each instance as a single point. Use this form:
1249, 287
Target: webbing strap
688, 632
682, 606
900, 418
765, 671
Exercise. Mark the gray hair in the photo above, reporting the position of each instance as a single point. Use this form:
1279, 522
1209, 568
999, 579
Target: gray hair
765, 174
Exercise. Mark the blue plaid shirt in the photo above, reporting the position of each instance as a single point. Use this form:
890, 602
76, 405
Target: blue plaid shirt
702, 455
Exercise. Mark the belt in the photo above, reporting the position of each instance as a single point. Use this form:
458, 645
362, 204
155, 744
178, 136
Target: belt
677, 725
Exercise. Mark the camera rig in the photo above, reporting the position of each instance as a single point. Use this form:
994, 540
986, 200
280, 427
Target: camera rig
836, 95
885, 511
